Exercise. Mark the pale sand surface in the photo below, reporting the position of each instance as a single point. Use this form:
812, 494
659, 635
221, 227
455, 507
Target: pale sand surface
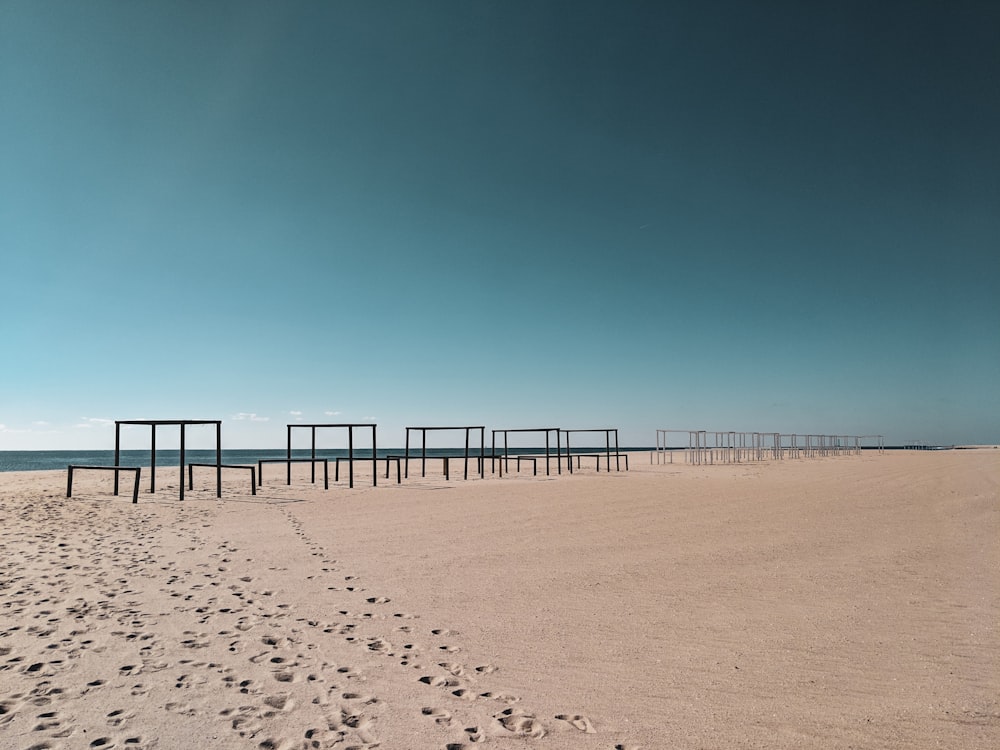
848, 602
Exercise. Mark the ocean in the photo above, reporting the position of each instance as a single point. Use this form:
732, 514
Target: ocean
50, 460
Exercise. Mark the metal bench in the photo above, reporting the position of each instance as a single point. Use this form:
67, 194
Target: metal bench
480, 464
135, 490
350, 460
252, 469
313, 461
598, 456
534, 464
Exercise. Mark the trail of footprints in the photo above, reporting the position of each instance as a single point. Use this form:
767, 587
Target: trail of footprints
223, 632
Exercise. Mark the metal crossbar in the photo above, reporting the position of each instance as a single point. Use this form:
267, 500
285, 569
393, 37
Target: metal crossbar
252, 469
115, 469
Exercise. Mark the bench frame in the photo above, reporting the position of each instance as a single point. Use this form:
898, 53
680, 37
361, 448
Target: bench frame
135, 489
252, 469
290, 461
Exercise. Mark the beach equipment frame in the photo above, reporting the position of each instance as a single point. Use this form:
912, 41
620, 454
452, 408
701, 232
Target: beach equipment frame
350, 450
115, 469
183, 424
423, 449
711, 447
251, 469
290, 461
547, 431
607, 441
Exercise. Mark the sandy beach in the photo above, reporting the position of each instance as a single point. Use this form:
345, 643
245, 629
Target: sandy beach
842, 602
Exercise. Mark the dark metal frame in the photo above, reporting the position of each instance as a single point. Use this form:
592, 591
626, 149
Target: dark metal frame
290, 461
115, 469
350, 451
546, 430
423, 448
607, 438
182, 423
253, 474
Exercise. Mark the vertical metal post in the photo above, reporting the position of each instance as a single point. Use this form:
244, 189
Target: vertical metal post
312, 454
152, 459
558, 450
406, 457
466, 453
218, 462
569, 454
118, 446
182, 461
546, 453
350, 455
423, 451
288, 455
375, 460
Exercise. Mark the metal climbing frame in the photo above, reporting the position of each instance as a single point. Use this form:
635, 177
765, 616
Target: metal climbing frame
350, 450
423, 449
183, 424
607, 442
546, 430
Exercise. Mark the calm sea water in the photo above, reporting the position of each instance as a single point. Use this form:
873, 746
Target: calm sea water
49, 460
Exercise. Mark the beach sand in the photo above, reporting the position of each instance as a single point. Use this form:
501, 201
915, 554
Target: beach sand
843, 602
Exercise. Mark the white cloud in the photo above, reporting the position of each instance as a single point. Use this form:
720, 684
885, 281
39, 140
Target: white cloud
249, 416
89, 422
40, 423
332, 413
295, 413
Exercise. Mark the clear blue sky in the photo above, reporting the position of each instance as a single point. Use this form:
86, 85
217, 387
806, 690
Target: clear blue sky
778, 216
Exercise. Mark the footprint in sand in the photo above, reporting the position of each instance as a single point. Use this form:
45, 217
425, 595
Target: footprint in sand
280, 702
8, 709
436, 681
118, 717
520, 723
183, 709
272, 743
456, 669
380, 645
366, 699
475, 734
578, 721
47, 721
501, 697
440, 716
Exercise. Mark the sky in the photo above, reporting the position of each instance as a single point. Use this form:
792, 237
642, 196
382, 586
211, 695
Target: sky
774, 216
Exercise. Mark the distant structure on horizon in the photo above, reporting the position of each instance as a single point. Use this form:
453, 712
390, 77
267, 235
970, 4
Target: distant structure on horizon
714, 446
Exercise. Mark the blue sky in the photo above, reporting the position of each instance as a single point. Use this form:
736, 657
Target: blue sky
732, 216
